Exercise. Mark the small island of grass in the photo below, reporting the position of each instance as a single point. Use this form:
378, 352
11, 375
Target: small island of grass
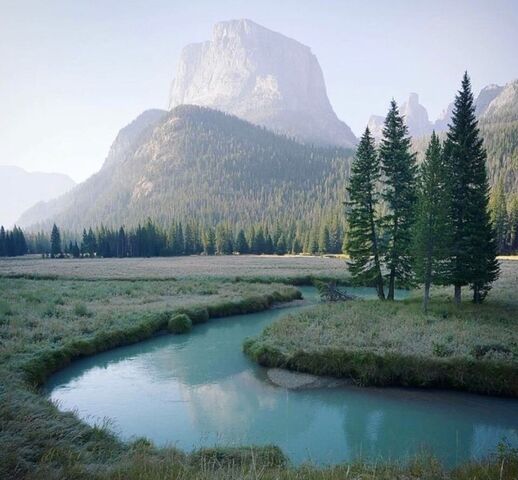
471, 347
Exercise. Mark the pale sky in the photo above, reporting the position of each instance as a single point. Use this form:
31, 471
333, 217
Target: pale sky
73, 72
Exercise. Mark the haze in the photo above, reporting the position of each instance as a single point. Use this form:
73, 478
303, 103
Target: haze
73, 73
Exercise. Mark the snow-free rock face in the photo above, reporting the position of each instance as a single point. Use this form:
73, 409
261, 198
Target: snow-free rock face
414, 114
263, 77
416, 117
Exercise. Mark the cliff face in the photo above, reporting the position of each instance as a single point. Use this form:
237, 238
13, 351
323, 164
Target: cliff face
263, 77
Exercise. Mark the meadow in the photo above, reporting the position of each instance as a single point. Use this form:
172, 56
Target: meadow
473, 348
49, 320
266, 267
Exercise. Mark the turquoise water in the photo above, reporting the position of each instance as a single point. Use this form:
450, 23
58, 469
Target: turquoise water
200, 390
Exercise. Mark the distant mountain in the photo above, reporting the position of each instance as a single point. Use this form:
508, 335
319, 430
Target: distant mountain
20, 189
415, 115
195, 162
497, 110
263, 77
499, 127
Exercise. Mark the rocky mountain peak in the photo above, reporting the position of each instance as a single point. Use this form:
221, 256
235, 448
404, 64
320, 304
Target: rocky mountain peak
263, 77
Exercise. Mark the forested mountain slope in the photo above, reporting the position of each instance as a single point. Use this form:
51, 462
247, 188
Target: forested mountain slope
200, 163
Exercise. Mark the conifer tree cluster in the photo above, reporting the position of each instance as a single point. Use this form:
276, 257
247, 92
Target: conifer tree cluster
430, 225
192, 238
12, 242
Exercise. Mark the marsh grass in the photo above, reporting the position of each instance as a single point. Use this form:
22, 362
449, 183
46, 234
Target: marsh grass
473, 348
45, 324
39, 441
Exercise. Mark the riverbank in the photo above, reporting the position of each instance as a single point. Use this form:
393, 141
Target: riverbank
44, 324
472, 348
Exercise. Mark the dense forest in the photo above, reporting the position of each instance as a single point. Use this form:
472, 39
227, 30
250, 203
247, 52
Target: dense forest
204, 164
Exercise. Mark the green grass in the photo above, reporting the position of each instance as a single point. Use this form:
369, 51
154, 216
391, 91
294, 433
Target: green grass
473, 348
47, 323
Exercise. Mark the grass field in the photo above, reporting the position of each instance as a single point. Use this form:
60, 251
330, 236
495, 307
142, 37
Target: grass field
472, 348
265, 267
45, 323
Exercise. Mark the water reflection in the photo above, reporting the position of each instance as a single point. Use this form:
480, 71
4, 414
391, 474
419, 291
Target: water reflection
199, 389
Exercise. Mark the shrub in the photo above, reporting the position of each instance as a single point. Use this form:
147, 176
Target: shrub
81, 311
441, 350
179, 323
196, 314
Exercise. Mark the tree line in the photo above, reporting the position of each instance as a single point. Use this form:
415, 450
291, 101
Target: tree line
192, 238
423, 225
12, 242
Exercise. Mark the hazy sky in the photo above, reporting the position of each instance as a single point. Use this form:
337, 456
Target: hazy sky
73, 72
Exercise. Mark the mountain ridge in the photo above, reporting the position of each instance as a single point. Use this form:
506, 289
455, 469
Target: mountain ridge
261, 76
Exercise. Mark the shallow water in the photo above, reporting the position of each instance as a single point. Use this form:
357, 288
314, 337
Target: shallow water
200, 390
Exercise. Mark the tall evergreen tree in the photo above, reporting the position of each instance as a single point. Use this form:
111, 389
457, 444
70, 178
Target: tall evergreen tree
499, 217
399, 170
362, 242
55, 242
433, 221
473, 246
241, 243
210, 242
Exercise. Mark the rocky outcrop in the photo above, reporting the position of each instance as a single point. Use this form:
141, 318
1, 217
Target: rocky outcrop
263, 77
131, 134
416, 117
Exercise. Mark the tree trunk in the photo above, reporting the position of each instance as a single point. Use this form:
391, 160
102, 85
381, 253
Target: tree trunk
457, 294
379, 287
426, 296
476, 294
392, 280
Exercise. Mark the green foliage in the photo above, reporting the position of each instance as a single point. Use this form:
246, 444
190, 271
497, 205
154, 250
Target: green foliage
179, 323
398, 167
473, 244
55, 242
362, 243
432, 262
12, 242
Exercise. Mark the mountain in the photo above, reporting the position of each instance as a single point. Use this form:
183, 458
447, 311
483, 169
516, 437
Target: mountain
497, 110
263, 77
415, 115
195, 162
499, 127
131, 133
22, 189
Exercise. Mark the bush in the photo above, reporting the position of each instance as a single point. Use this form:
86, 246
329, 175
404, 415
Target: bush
196, 314
179, 323
81, 311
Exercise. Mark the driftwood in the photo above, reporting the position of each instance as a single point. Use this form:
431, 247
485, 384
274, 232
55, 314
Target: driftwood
330, 292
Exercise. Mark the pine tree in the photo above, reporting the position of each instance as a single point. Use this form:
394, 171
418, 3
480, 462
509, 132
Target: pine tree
3, 246
473, 248
433, 221
55, 242
362, 242
399, 170
209, 245
241, 243
499, 217
513, 223
324, 241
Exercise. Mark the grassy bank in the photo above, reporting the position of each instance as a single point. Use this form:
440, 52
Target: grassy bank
472, 348
45, 324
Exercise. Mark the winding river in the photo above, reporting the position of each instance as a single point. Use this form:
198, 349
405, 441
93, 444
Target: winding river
200, 390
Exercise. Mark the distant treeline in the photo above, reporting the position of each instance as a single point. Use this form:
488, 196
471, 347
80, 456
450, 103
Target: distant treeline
12, 242
191, 238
